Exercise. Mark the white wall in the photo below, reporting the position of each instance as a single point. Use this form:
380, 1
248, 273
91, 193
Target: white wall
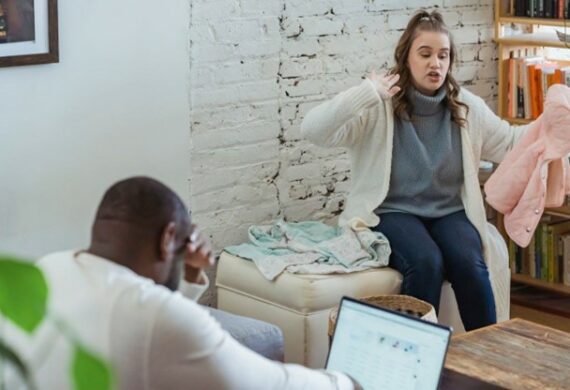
115, 105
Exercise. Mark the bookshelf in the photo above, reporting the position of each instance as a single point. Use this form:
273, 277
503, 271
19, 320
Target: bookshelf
523, 37
528, 280
531, 38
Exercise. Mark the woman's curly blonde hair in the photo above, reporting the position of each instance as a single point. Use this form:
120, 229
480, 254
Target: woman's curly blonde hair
403, 107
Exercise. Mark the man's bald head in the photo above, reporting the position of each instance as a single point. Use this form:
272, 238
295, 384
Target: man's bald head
143, 225
142, 202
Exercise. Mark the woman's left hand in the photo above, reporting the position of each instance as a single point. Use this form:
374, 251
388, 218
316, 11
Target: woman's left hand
385, 85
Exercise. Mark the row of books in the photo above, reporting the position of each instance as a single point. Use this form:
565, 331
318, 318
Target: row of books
528, 80
549, 9
3, 24
548, 256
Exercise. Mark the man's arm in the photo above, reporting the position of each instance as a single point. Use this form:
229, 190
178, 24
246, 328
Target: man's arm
189, 349
198, 256
194, 291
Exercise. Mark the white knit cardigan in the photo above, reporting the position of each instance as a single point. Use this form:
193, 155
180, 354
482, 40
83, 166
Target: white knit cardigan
360, 121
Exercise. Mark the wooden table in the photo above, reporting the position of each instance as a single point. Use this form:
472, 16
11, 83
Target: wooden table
514, 354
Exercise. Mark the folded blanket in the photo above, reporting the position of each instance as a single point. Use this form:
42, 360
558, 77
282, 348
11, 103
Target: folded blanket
312, 248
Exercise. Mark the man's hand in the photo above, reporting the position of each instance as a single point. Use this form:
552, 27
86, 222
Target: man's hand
385, 85
198, 256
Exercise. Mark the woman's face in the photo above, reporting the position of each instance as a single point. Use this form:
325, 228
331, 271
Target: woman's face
428, 61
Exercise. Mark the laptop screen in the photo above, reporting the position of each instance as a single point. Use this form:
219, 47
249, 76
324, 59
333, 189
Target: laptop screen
385, 350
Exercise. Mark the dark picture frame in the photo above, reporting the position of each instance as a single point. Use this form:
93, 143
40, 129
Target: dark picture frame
28, 32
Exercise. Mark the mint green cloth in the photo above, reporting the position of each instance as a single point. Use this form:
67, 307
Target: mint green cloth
313, 248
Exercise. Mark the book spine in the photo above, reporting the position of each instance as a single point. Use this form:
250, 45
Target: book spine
547, 9
538, 251
559, 260
550, 253
524, 261
526, 92
520, 87
538, 80
516, 258
544, 88
544, 253
566, 250
512, 262
512, 89
533, 95
532, 257
520, 8
558, 79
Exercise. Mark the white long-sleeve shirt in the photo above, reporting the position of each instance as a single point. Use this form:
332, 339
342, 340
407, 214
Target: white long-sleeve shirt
152, 337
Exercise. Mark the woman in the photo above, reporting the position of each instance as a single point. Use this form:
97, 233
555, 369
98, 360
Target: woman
415, 140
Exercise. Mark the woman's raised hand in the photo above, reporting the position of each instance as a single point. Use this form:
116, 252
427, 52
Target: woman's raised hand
385, 85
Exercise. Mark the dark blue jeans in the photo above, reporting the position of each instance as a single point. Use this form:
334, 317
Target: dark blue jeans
427, 251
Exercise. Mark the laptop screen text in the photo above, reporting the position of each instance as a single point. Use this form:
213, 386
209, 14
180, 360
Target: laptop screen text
387, 351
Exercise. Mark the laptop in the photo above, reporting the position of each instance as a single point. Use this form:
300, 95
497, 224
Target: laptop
387, 350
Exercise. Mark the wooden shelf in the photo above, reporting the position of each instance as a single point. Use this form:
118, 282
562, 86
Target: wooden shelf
541, 40
556, 287
559, 211
534, 21
518, 121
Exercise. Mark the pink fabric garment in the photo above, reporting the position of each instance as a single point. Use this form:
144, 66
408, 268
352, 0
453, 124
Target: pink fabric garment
535, 174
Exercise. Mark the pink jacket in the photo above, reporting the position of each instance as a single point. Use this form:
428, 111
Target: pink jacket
535, 174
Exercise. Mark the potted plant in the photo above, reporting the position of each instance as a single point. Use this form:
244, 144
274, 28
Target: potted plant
24, 295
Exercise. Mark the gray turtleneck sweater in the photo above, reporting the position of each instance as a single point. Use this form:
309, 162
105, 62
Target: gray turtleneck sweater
427, 170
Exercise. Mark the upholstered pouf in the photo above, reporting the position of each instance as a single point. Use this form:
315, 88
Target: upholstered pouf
298, 304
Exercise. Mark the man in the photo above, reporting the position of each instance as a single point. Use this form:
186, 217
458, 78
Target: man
119, 298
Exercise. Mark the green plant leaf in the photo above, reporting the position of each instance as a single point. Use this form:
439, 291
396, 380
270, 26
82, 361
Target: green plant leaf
90, 372
23, 293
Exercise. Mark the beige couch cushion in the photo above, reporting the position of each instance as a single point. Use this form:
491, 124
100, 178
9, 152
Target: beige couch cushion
303, 293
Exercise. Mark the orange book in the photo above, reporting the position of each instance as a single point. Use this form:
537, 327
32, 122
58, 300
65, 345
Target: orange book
548, 76
558, 77
512, 88
533, 91
538, 89
528, 63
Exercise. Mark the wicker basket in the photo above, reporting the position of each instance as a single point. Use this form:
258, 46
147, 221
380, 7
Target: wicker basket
401, 303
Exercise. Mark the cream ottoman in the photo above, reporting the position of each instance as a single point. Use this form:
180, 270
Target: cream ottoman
299, 304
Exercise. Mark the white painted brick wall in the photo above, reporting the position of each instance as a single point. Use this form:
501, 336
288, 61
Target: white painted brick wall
257, 68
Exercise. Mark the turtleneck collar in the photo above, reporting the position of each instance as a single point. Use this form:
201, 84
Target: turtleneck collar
426, 105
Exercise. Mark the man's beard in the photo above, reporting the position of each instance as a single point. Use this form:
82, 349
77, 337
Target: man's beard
176, 273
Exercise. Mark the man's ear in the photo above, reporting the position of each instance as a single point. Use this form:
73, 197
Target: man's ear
167, 241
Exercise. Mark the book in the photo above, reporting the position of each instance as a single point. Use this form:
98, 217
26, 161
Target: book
566, 75
520, 63
532, 257
512, 83
566, 265
557, 230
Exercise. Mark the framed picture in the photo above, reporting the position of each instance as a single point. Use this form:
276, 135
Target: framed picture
28, 32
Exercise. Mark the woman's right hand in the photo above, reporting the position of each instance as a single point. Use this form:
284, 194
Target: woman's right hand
385, 85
